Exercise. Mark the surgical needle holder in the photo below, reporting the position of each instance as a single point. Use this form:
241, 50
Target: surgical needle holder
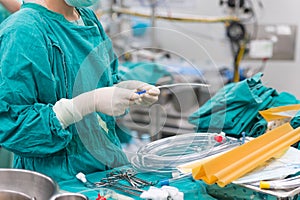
112, 181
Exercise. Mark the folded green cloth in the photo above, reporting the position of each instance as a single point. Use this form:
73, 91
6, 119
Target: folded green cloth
234, 108
295, 122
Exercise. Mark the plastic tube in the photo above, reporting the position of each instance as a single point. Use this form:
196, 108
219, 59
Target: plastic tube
166, 154
168, 181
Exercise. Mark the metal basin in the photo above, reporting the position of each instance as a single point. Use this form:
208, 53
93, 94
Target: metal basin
12, 195
34, 185
69, 196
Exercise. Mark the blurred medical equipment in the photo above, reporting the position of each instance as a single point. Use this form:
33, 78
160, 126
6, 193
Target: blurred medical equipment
166, 154
240, 22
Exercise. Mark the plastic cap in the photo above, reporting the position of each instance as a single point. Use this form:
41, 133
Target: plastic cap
81, 177
264, 185
100, 197
219, 138
164, 182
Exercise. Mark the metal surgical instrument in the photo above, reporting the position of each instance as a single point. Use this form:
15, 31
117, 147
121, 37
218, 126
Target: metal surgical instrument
174, 85
183, 84
111, 182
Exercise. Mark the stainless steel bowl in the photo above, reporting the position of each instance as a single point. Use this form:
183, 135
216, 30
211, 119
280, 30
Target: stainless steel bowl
13, 195
35, 185
69, 196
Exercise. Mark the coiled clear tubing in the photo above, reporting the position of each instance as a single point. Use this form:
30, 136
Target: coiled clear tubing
166, 154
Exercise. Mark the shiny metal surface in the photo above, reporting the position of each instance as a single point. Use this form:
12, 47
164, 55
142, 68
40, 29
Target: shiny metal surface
35, 185
12, 195
69, 196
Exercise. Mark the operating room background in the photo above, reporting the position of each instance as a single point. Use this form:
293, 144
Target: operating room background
279, 74
202, 46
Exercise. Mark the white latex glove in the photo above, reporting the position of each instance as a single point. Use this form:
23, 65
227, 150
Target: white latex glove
148, 98
154, 193
164, 193
112, 101
173, 192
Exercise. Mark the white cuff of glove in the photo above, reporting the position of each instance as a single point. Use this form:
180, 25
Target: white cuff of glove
66, 112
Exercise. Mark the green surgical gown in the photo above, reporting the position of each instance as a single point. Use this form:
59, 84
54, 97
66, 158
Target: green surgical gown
45, 58
3, 13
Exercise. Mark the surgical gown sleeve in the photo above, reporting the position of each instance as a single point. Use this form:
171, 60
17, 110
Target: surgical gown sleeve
29, 126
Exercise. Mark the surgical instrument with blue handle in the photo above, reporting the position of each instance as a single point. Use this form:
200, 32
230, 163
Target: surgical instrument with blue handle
141, 92
168, 181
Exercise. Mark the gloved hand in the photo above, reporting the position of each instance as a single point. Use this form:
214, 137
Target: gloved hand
112, 101
148, 98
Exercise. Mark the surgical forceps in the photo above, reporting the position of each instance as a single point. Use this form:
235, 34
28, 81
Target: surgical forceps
128, 175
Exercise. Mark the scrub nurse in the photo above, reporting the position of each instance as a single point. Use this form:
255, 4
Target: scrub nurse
60, 92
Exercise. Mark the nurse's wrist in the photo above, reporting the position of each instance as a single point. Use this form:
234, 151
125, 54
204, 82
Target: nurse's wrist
66, 112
